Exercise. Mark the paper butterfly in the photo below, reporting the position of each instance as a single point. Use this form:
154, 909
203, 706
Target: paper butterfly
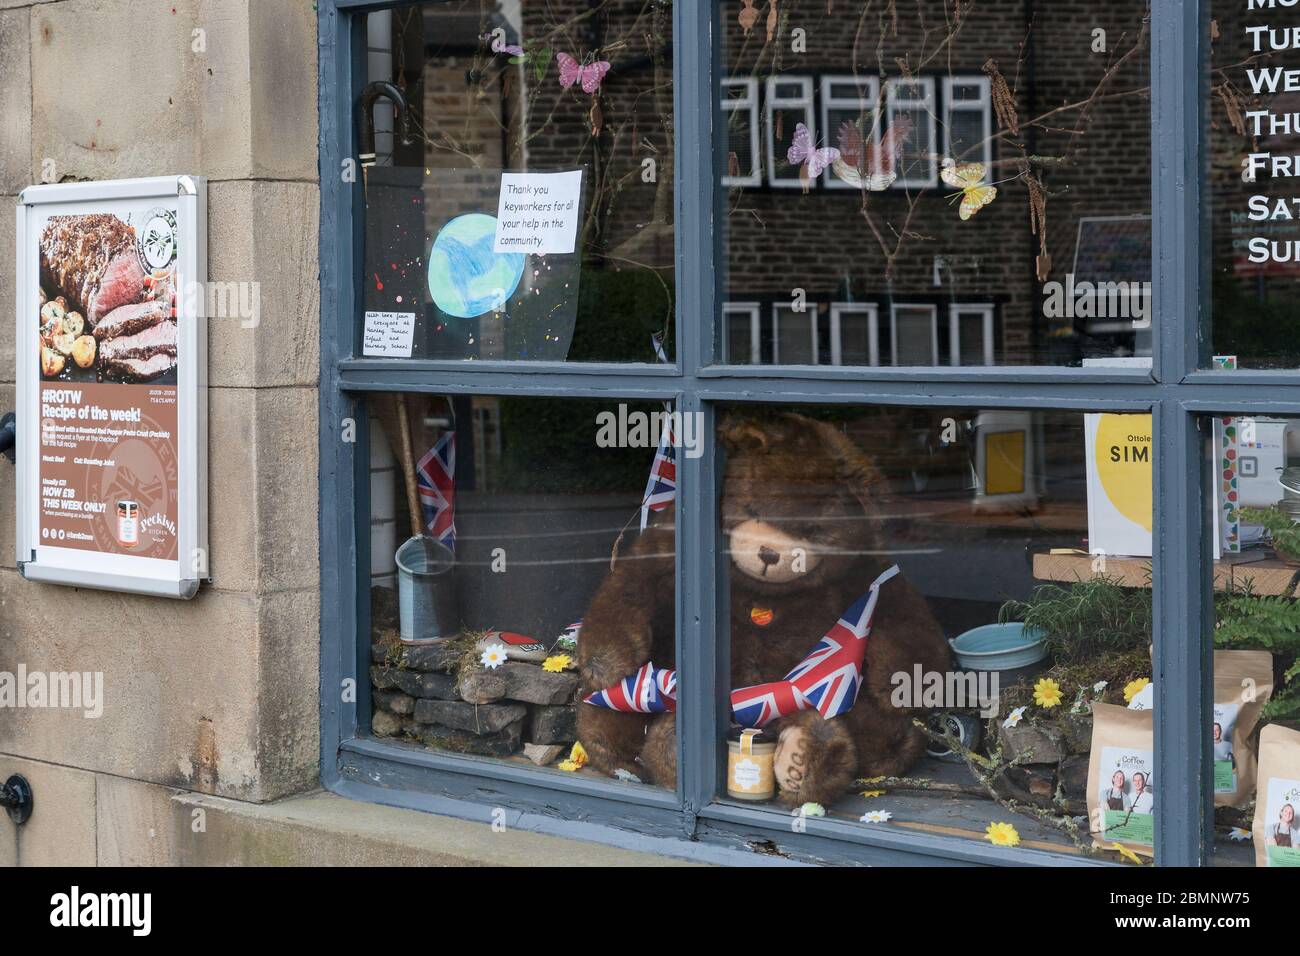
864, 165
590, 74
803, 153
969, 178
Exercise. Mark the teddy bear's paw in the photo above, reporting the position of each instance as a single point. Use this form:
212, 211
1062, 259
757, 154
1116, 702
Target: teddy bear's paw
791, 759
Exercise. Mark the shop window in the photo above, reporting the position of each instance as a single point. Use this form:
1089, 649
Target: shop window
1253, 135
989, 172
1253, 485
502, 530
902, 535
521, 199
987, 233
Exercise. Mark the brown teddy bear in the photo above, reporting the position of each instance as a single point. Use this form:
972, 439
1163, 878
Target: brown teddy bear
801, 513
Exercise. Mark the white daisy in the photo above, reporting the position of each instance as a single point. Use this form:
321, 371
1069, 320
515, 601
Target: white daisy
1014, 718
1101, 685
876, 816
1239, 835
494, 655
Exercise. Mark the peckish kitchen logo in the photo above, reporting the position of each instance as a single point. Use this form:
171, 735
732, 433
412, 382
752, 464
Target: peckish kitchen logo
156, 240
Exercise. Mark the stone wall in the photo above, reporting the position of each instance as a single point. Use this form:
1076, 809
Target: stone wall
219, 694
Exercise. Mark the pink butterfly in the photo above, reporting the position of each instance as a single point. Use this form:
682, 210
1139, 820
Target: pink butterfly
802, 152
591, 74
867, 166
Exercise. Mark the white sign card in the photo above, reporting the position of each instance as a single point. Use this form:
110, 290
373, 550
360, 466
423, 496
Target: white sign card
538, 213
112, 385
388, 334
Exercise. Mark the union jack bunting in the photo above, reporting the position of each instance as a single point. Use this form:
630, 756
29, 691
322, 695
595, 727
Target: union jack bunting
661, 489
830, 676
761, 704
436, 480
648, 691
827, 680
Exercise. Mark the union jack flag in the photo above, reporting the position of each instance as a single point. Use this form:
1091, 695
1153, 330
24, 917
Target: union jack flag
761, 704
829, 678
661, 489
648, 691
436, 479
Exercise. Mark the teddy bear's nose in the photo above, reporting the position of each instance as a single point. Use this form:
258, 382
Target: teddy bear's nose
768, 556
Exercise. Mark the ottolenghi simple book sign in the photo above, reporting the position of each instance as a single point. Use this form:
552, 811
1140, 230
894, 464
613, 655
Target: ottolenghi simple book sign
112, 385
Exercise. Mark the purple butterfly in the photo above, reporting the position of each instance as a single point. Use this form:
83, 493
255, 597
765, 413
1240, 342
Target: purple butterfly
803, 153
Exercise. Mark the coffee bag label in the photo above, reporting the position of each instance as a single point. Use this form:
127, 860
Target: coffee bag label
1126, 798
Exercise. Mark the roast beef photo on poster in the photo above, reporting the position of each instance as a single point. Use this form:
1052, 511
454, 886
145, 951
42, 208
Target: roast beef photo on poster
107, 299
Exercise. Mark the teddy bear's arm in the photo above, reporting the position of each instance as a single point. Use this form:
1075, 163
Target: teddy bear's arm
634, 603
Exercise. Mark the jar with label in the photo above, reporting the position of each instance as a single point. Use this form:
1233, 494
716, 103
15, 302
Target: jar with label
750, 774
128, 523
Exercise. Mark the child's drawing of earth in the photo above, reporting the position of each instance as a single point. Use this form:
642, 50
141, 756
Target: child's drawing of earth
466, 278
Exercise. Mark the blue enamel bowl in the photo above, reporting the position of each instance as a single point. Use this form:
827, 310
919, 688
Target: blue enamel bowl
999, 647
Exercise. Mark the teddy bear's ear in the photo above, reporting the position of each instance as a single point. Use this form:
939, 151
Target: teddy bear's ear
857, 470
743, 434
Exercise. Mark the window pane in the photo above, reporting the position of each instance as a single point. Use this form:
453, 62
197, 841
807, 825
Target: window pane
988, 517
1254, 471
1253, 139
882, 132
509, 608
528, 212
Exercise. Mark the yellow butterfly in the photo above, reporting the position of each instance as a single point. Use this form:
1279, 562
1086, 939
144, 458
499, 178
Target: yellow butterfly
969, 178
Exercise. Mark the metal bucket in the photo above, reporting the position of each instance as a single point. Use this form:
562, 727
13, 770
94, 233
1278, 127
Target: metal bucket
426, 596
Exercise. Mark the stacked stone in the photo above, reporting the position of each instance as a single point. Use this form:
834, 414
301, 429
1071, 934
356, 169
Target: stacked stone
428, 694
1053, 754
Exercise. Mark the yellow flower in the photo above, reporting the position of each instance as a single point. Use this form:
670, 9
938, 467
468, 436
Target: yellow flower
1047, 693
872, 793
568, 765
1002, 834
1133, 688
557, 663
1126, 853
578, 755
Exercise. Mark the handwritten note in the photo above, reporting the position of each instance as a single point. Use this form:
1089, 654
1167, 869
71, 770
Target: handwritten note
388, 334
538, 212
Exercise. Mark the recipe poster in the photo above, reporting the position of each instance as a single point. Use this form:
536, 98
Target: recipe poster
108, 342
106, 308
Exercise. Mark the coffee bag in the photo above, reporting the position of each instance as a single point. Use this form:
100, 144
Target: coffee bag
1277, 829
1121, 779
1243, 683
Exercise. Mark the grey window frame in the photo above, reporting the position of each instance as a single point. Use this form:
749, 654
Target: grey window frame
1178, 391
